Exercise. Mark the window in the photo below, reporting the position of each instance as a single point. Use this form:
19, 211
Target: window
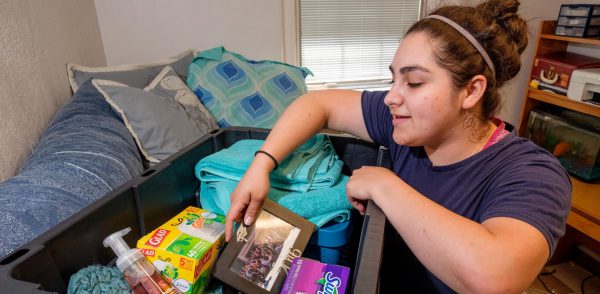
352, 41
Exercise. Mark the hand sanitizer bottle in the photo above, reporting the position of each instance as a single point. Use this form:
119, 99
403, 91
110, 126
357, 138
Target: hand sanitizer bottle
139, 272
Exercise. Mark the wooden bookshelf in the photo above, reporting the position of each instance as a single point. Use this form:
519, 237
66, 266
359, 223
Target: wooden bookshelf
585, 209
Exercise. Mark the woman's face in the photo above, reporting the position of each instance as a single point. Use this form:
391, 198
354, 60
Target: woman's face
425, 107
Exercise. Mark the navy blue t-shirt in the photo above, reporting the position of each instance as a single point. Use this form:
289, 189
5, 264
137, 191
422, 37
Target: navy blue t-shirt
511, 178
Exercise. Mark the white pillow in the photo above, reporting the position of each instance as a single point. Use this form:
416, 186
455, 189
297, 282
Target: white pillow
134, 75
159, 124
169, 84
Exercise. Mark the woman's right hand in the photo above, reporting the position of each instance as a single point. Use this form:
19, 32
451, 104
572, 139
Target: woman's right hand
248, 196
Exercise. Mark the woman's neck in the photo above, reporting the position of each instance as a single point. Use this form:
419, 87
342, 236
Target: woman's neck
460, 145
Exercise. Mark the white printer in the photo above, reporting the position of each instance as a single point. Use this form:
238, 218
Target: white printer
584, 83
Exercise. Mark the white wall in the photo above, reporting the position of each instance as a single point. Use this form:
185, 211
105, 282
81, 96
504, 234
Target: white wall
136, 31
37, 39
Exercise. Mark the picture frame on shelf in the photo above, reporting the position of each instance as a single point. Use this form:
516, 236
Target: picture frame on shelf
258, 257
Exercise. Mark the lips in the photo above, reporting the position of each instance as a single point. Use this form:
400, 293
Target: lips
398, 119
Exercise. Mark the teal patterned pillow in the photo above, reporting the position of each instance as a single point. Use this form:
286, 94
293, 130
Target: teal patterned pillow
242, 92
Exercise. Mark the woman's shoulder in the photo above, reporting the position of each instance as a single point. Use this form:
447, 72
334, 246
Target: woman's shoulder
517, 155
519, 147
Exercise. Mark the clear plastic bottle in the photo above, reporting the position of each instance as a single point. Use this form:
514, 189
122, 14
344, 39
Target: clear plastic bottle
139, 272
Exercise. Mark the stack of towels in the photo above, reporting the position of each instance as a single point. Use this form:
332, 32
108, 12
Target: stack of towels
308, 182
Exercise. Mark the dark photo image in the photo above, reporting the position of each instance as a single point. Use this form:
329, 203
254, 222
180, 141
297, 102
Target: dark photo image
260, 258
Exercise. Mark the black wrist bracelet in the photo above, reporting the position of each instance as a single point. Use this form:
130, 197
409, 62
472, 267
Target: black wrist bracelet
269, 155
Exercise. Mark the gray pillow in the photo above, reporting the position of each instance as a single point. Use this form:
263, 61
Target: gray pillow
169, 84
159, 125
134, 75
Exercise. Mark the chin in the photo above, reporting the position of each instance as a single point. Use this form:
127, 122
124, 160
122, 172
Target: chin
400, 140
405, 141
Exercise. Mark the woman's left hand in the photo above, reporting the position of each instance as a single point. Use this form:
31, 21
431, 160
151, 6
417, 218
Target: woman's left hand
366, 183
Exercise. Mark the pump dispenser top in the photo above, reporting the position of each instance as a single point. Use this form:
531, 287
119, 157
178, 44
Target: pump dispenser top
139, 272
125, 255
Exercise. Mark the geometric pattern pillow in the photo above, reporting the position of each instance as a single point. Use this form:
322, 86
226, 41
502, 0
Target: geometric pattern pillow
169, 84
242, 92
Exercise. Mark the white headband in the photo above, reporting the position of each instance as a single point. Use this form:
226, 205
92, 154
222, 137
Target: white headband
470, 38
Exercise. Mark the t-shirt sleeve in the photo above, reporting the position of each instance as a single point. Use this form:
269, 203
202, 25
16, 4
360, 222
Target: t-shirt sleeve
537, 191
377, 117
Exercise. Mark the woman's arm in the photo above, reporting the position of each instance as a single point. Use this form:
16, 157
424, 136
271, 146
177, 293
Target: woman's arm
499, 255
338, 110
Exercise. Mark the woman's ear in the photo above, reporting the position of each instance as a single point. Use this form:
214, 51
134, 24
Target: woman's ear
474, 91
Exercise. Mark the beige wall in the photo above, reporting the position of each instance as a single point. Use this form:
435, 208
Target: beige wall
37, 38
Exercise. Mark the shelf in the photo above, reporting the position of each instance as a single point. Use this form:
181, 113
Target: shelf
585, 209
593, 41
585, 206
564, 101
548, 28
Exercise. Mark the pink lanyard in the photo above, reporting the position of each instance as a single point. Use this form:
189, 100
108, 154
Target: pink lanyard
498, 134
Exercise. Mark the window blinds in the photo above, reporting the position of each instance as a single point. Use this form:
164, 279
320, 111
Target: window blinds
352, 40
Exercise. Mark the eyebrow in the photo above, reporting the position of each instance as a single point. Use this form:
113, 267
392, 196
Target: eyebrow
410, 68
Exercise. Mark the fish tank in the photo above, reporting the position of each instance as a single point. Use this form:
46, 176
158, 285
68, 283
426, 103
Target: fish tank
576, 147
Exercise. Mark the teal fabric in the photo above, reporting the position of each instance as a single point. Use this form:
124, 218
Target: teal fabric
319, 206
242, 92
313, 165
308, 182
97, 279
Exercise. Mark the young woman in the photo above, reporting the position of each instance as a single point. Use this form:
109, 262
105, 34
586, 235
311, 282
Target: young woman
479, 208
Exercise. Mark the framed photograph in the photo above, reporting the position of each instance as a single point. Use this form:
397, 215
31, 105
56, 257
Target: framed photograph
258, 258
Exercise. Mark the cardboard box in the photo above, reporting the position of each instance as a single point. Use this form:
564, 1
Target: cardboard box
310, 276
185, 248
556, 69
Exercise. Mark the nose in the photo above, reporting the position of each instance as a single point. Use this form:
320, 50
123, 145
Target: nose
394, 97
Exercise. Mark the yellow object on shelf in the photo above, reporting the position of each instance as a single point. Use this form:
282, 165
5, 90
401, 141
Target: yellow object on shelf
534, 84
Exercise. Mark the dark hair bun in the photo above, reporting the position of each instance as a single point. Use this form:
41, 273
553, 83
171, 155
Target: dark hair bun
500, 9
505, 13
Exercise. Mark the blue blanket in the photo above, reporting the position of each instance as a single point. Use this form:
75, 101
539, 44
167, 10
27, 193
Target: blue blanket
308, 182
84, 153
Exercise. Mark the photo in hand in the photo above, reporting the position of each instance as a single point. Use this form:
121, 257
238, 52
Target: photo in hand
258, 257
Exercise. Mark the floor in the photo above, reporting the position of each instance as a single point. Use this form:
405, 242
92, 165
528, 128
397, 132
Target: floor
565, 278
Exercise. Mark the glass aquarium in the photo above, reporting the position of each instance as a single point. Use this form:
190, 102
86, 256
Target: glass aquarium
576, 147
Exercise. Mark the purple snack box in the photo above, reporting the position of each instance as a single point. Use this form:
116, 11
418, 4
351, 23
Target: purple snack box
311, 276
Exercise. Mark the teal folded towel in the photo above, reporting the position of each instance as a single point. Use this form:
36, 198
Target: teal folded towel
319, 206
308, 181
313, 165
97, 279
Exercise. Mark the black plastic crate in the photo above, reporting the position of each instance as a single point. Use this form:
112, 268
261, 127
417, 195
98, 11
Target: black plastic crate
46, 263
